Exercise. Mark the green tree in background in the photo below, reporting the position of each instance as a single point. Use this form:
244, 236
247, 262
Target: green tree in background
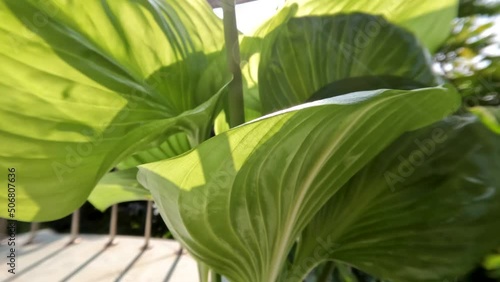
470, 58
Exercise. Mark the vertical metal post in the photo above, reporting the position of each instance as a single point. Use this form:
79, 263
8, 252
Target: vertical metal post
112, 225
75, 226
34, 228
147, 227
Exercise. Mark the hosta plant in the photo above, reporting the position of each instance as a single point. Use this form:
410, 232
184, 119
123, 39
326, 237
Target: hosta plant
353, 153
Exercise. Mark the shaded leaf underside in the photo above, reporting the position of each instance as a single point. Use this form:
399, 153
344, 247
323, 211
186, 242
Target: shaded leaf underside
426, 209
306, 54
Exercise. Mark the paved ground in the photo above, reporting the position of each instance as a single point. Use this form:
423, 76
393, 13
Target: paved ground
50, 259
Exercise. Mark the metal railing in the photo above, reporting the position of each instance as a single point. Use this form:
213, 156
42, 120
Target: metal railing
75, 239
75, 227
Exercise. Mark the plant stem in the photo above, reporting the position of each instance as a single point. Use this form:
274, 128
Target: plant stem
326, 271
216, 277
203, 272
236, 113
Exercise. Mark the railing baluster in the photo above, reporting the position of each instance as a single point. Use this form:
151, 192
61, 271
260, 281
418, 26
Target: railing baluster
75, 227
33, 229
147, 227
112, 225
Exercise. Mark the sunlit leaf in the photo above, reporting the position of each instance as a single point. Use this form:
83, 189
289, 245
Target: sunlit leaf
429, 20
173, 146
86, 84
122, 186
239, 201
118, 187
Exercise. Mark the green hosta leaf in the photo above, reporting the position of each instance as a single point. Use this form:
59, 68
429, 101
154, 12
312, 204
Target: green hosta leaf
239, 200
118, 187
173, 146
365, 83
251, 47
425, 209
429, 20
221, 124
122, 186
306, 54
86, 84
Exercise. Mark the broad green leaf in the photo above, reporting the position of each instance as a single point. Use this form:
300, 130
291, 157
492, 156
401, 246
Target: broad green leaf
365, 83
85, 84
429, 20
305, 54
122, 186
221, 124
118, 187
426, 209
251, 47
173, 146
239, 200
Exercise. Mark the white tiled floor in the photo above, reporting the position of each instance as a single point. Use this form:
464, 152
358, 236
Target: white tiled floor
50, 259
